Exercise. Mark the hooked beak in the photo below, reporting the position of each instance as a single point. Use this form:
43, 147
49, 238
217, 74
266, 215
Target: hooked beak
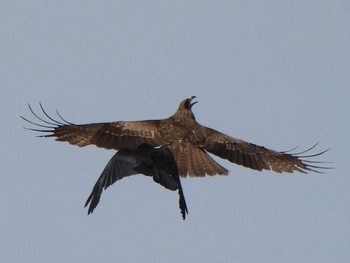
194, 102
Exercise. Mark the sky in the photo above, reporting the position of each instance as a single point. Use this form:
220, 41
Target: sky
274, 73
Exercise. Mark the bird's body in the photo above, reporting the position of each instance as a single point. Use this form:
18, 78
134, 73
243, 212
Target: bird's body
157, 163
188, 141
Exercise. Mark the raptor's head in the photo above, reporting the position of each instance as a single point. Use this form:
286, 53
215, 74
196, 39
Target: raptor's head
185, 108
187, 104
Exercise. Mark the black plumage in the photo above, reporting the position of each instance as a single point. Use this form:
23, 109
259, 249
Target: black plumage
157, 163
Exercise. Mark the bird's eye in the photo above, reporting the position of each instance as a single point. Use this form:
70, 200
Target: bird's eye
188, 104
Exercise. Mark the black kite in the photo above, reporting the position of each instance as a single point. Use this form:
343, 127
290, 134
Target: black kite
188, 141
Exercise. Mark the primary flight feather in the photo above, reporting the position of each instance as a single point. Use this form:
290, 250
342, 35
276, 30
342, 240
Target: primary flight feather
188, 141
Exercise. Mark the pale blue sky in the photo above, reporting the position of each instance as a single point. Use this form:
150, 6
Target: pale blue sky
275, 73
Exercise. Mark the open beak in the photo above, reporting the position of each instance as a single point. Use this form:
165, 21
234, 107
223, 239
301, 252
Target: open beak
194, 102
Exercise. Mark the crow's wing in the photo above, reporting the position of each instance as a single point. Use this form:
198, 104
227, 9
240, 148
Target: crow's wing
122, 164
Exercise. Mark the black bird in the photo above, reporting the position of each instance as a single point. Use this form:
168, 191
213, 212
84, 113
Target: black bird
159, 163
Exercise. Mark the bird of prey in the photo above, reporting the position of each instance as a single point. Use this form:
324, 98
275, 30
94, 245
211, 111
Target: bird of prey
189, 142
158, 163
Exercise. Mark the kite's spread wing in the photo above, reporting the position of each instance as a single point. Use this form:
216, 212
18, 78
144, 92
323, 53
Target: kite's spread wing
109, 135
258, 157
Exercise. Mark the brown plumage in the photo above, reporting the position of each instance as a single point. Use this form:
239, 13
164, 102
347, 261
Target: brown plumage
189, 142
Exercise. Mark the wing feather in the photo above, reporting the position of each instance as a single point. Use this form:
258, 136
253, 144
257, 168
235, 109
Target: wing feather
121, 165
109, 135
254, 156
